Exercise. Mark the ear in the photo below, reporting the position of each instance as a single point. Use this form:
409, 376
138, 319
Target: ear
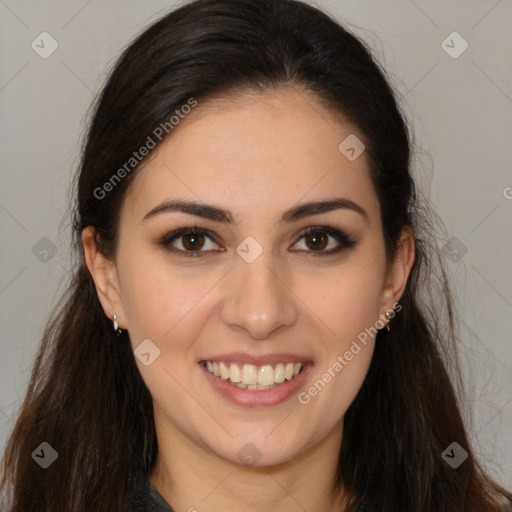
104, 274
398, 271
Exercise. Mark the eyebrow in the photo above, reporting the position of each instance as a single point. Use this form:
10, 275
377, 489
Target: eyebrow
296, 213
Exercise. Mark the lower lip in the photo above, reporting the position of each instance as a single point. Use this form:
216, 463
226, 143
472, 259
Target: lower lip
255, 397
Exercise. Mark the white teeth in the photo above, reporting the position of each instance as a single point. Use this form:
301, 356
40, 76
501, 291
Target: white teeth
253, 386
249, 374
254, 377
234, 373
224, 372
279, 375
266, 375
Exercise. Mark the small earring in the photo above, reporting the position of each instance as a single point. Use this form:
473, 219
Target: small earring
389, 316
116, 325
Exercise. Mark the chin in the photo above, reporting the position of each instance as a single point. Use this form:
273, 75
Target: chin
262, 451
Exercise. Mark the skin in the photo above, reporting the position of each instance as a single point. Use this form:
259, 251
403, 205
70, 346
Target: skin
256, 155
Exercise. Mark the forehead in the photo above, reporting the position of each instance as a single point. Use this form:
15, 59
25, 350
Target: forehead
255, 151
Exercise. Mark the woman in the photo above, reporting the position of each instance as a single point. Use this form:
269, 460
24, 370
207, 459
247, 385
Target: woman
249, 326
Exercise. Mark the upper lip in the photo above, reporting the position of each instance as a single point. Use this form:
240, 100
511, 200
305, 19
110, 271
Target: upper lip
257, 360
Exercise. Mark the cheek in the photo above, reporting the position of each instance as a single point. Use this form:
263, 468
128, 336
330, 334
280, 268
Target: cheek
163, 303
346, 299
168, 308
347, 303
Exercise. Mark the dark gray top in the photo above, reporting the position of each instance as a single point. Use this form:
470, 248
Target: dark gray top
157, 503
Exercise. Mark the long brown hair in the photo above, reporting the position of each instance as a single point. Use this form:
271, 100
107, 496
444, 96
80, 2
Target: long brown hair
86, 397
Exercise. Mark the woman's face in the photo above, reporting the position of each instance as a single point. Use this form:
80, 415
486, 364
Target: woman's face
247, 293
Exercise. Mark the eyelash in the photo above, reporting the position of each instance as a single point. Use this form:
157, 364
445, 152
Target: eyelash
343, 239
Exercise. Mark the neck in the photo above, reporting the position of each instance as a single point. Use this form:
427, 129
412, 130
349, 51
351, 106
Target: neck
190, 477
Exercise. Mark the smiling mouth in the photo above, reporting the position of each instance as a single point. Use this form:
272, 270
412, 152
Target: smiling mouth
249, 376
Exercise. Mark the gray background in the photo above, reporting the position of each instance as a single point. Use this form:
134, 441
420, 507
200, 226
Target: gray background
461, 112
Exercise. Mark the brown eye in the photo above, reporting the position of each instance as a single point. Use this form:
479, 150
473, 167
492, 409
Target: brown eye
193, 241
190, 242
323, 241
317, 240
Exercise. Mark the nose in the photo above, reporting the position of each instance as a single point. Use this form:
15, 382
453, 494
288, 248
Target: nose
258, 301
